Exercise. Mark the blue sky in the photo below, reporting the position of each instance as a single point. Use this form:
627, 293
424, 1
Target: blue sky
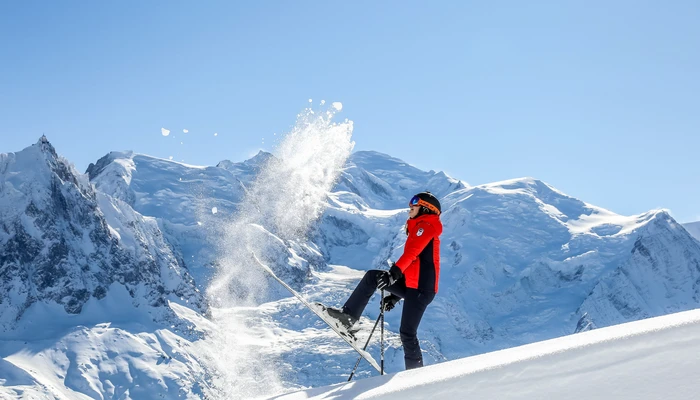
600, 99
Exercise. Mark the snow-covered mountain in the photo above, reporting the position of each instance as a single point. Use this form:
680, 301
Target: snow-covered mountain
521, 262
86, 286
193, 205
63, 242
179, 196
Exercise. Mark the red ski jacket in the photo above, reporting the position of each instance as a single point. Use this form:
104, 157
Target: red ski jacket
420, 262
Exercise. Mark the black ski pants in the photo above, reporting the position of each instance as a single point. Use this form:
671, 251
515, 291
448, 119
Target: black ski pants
415, 303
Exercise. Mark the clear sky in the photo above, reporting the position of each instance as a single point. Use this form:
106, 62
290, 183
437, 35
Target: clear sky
601, 99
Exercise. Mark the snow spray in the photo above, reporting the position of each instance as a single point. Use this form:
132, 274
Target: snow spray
288, 195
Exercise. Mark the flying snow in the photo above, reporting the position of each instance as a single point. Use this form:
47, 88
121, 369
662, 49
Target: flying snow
214, 210
338, 105
307, 162
164, 131
185, 130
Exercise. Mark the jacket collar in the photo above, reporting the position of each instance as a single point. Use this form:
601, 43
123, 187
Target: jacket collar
431, 219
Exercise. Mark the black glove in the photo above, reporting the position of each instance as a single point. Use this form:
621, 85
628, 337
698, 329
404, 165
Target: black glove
387, 278
389, 302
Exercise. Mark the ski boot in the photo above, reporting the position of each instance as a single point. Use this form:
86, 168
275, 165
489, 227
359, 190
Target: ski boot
342, 319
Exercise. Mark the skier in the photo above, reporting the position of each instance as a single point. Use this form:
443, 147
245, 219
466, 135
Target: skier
414, 277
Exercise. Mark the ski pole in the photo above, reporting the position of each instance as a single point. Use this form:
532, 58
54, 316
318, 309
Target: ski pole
364, 348
381, 337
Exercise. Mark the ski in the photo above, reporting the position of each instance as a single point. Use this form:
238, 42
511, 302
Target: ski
319, 310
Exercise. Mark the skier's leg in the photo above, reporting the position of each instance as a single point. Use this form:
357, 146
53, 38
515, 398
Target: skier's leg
414, 306
398, 288
360, 296
365, 289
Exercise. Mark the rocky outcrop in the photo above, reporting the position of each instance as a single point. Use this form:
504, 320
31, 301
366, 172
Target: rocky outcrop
58, 246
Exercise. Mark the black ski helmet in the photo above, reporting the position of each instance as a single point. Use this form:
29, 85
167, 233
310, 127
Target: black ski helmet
428, 202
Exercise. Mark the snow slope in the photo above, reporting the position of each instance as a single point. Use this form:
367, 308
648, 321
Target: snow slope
108, 351
657, 358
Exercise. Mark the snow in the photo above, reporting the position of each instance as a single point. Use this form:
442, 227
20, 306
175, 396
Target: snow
164, 131
110, 349
650, 359
521, 259
337, 105
185, 131
522, 263
304, 169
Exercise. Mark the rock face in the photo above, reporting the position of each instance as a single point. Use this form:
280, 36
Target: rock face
57, 245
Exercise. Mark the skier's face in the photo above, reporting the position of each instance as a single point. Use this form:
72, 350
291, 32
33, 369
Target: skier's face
413, 211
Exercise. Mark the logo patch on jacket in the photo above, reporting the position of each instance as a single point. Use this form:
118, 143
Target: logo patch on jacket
420, 232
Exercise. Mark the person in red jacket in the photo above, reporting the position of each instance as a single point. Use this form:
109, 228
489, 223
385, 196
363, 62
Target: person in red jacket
414, 277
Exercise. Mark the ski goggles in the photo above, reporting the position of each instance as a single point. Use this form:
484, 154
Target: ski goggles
417, 201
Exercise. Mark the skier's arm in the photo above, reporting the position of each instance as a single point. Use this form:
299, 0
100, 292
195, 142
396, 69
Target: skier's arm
415, 244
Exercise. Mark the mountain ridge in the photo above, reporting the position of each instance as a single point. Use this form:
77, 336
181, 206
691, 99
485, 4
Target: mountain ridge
58, 246
521, 260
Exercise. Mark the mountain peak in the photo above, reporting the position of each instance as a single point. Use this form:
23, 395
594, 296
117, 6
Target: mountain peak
259, 158
529, 185
522, 182
37, 163
253, 163
57, 245
371, 157
46, 147
93, 170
